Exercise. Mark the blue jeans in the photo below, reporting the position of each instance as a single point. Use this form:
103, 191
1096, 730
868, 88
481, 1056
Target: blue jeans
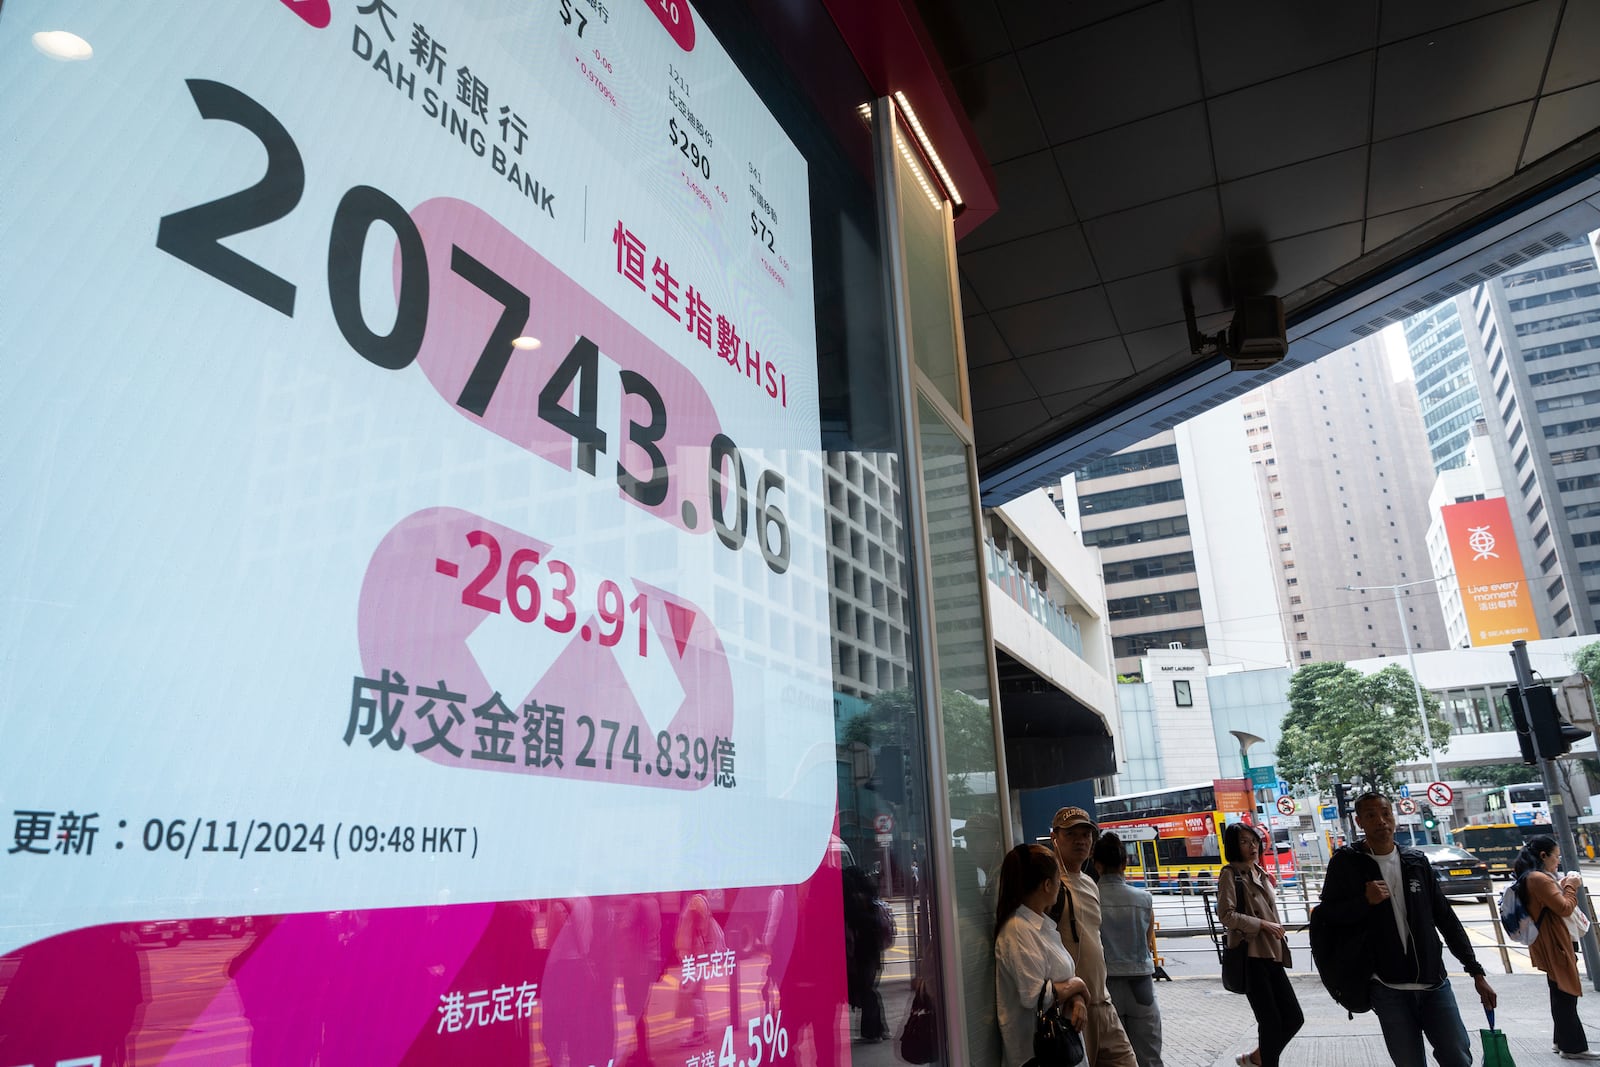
1407, 1014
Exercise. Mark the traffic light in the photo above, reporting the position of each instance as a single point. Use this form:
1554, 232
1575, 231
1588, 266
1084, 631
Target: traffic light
1343, 797
1519, 720
1554, 733
1429, 820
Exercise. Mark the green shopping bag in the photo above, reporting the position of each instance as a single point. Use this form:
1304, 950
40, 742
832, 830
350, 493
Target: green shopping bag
1496, 1052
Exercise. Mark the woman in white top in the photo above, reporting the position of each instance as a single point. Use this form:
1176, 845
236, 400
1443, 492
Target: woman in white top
1028, 951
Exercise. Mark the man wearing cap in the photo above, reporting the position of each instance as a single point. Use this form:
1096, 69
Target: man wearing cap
1077, 915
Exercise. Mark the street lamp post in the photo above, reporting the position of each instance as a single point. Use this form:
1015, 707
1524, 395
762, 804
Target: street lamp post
1245, 740
1416, 686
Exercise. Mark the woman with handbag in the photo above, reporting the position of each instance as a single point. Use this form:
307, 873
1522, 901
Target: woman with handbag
1247, 906
1032, 969
1551, 901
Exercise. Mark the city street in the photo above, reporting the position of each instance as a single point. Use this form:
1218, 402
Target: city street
1185, 915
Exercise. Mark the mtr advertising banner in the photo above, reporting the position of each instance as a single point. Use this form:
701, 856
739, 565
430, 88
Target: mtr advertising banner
1494, 591
415, 645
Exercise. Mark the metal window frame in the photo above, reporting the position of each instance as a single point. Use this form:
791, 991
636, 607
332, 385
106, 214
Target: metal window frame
910, 386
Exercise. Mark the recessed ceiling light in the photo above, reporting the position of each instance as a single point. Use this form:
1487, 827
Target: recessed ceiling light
59, 44
526, 343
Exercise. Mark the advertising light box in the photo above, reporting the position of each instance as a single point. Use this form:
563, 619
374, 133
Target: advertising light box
413, 487
1489, 572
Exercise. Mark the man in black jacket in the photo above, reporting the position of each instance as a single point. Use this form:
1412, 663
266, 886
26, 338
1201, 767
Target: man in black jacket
1392, 897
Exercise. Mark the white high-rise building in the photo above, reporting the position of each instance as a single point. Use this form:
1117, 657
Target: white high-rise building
1531, 341
1539, 329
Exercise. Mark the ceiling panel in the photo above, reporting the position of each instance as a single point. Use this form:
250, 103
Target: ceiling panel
1001, 384
1299, 198
969, 33
1463, 70
1407, 20
1577, 45
1153, 299
1056, 322
1032, 198
970, 304
1562, 118
1029, 268
1149, 347
1150, 159
1246, 147
1301, 260
1243, 44
1444, 161
1382, 229
990, 92
1086, 64
1161, 234
1061, 404
1298, 116
998, 421
1081, 365
1031, 22
984, 345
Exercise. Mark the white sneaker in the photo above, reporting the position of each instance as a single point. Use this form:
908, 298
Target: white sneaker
1587, 1054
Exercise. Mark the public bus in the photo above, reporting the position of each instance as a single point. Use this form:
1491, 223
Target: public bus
1497, 843
1173, 837
1524, 804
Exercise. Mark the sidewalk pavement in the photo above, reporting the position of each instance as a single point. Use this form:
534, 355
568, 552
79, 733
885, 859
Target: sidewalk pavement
1204, 1025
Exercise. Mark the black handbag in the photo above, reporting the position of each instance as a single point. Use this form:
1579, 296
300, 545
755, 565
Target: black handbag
1233, 969
919, 1041
1055, 1042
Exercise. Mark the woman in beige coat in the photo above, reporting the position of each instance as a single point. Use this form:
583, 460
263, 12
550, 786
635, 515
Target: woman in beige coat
1247, 905
1550, 900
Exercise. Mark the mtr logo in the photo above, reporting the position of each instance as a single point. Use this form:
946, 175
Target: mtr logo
314, 12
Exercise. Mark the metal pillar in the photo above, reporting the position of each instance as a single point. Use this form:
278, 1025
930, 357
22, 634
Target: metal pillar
1558, 811
919, 563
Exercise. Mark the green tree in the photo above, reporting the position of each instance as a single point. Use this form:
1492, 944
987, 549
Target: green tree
859, 729
968, 730
1354, 726
1499, 774
1587, 660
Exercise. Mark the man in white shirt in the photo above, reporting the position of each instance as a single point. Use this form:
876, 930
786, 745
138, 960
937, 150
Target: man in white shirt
1077, 915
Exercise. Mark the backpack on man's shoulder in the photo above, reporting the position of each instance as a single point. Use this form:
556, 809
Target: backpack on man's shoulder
1520, 926
1343, 962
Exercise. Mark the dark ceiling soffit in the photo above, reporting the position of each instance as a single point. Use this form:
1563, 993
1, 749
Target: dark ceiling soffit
1050, 762
1051, 739
894, 51
1445, 266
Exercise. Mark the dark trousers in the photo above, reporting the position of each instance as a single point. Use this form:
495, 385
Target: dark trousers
1569, 1031
1409, 1015
1277, 1012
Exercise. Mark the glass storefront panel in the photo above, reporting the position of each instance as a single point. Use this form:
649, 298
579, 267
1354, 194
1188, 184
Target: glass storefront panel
925, 223
967, 719
452, 541
974, 781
